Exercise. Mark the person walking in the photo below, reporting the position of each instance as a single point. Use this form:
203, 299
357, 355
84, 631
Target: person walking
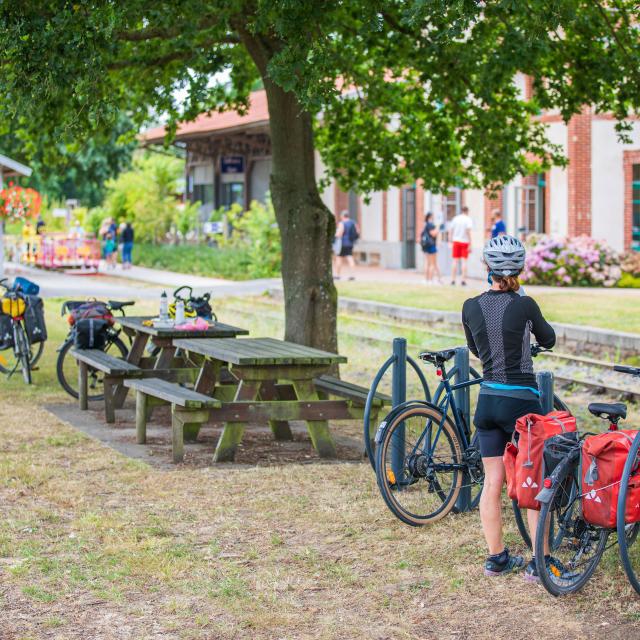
498, 326
428, 242
347, 235
460, 232
126, 237
498, 228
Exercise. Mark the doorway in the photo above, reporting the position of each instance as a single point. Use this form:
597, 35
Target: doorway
408, 257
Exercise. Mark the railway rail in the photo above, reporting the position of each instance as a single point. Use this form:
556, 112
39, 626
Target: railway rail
594, 367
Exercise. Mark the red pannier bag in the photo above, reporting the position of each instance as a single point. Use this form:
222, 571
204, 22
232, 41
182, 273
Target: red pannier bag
603, 460
91, 310
525, 469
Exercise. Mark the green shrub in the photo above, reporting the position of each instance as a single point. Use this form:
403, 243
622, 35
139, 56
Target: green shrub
255, 233
199, 260
629, 281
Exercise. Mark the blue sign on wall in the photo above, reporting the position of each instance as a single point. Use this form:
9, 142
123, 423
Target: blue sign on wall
232, 164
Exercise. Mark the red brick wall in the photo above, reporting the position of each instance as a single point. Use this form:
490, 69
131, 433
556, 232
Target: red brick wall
630, 158
340, 201
579, 174
491, 203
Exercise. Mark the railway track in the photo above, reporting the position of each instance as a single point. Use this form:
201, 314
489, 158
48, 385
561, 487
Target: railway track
593, 367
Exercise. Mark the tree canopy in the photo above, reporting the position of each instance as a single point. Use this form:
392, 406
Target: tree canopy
389, 91
406, 89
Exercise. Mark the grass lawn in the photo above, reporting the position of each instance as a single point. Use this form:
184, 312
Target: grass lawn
607, 308
95, 545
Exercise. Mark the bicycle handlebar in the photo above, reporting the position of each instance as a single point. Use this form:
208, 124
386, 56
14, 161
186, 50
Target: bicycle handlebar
536, 349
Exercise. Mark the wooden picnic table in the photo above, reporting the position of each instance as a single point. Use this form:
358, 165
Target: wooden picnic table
261, 366
163, 337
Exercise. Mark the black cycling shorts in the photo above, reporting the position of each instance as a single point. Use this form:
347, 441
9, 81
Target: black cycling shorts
495, 420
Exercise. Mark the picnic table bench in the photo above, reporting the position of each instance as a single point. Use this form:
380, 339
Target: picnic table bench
275, 382
162, 365
189, 409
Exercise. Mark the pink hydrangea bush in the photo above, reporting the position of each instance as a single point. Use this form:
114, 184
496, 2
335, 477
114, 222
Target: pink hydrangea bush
571, 262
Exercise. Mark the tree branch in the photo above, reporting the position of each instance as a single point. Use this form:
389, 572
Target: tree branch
152, 33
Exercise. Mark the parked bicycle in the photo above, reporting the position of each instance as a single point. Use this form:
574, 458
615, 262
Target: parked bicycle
17, 323
426, 452
579, 543
112, 343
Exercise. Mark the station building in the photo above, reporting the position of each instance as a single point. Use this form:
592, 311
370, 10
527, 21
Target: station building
229, 161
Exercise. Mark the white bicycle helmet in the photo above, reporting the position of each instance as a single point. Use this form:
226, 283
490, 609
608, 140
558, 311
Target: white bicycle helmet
504, 255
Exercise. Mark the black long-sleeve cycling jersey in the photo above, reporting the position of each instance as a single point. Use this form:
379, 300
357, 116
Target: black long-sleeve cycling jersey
498, 326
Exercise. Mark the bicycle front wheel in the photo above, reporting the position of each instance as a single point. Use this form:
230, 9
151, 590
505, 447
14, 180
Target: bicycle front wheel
579, 545
22, 351
628, 513
419, 465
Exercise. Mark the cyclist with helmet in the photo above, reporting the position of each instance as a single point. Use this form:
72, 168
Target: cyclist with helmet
498, 325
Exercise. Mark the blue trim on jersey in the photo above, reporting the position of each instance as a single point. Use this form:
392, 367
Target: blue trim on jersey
509, 387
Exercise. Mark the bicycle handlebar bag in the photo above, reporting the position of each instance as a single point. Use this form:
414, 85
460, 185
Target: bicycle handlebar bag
26, 286
524, 463
603, 460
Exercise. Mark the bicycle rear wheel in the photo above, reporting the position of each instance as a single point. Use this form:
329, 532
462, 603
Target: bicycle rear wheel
419, 465
628, 500
67, 368
579, 545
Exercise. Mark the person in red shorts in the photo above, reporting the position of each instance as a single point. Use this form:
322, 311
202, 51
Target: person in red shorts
460, 235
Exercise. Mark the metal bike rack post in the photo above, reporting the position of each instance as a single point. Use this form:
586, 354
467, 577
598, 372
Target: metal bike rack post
545, 386
398, 396
463, 401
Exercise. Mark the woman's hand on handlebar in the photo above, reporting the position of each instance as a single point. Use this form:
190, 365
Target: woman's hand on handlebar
537, 349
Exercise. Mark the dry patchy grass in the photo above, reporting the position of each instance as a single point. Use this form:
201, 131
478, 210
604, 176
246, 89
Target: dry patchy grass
93, 545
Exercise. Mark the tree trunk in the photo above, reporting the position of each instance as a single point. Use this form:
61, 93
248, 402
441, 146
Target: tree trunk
307, 227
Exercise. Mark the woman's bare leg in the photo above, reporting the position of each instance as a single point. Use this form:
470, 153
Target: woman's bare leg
491, 504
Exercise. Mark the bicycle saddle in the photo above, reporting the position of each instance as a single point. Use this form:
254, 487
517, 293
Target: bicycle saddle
613, 411
116, 306
438, 357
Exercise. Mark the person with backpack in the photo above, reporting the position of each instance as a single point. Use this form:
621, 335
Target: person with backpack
498, 325
347, 235
126, 238
428, 242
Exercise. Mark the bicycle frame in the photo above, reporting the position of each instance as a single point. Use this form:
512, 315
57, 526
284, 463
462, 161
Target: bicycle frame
447, 402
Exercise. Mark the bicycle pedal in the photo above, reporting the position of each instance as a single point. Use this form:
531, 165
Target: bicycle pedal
35, 368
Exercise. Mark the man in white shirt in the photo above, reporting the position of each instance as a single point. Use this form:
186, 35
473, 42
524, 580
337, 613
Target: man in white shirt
460, 236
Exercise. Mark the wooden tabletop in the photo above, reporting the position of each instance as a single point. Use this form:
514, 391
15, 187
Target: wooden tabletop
217, 330
258, 351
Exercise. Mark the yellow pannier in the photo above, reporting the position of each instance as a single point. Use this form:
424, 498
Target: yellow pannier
13, 307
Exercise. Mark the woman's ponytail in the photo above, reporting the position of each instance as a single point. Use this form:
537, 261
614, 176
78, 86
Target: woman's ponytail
507, 283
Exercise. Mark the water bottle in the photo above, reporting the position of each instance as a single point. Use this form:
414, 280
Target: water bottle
164, 307
180, 312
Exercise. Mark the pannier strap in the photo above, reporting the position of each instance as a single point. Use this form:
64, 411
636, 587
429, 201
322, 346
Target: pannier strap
564, 430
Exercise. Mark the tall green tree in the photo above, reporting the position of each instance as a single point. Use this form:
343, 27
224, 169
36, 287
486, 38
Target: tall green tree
395, 90
75, 168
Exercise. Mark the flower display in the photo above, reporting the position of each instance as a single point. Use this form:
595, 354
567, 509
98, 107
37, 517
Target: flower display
576, 262
18, 203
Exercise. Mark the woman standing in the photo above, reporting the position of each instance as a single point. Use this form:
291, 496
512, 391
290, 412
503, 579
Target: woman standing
498, 325
428, 241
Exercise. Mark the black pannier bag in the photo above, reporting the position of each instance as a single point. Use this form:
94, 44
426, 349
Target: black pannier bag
34, 320
6, 332
90, 333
